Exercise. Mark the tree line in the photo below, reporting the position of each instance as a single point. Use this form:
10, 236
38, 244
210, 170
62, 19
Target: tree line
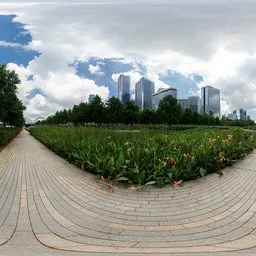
114, 112
11, 108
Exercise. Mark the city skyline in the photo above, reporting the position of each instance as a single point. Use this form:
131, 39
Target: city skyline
194, 102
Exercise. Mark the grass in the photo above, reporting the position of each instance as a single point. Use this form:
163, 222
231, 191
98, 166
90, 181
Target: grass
148, 157
7, 134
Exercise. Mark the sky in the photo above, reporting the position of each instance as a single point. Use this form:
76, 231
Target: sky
65, 50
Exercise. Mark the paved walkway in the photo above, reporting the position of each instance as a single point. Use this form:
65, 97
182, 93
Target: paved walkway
48, 204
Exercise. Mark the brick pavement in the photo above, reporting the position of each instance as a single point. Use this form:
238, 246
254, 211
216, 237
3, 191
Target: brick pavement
48, 204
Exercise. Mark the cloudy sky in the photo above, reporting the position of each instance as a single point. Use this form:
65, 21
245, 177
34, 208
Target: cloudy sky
65, 50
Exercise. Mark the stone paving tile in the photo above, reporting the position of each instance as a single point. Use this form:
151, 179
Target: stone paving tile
47, 203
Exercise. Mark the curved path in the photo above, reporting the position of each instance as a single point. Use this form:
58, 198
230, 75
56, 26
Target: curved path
46, 204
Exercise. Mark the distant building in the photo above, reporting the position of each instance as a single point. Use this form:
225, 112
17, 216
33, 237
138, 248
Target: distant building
248, 118
183, 103
194, 103
243, 114
144, 89
124, 88
161, 93
91, 98
233, 116
210, 101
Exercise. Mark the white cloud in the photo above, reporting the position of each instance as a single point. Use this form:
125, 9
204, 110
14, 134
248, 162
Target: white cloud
26, 84
96, 70
61, 90
213, 38
8, 44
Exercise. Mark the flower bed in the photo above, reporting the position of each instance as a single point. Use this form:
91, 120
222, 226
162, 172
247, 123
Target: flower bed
148, 157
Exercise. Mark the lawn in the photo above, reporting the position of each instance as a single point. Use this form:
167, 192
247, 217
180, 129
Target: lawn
148, 156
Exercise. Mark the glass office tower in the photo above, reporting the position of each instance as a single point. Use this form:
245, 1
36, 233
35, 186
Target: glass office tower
194, 103
124, 88
210, 103
144, 90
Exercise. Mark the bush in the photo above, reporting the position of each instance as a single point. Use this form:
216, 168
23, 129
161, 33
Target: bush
7, 134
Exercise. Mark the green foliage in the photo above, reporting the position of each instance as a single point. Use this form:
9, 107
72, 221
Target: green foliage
169, 110
114, 110
11, 108
131, 113
148, 156
7, 134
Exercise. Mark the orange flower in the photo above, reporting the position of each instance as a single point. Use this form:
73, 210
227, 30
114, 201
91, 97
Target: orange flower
212, 140
186, 155
170, 162
230, 136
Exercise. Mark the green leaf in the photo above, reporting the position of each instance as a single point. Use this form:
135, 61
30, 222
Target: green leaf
202, 172
150, 183
169, 175
136, 169
122, 179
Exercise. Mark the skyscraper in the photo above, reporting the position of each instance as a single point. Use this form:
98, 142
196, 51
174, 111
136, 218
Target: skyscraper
124, 88
232, 116
210, 101
161, 93
144, 90
243, 114
194, 103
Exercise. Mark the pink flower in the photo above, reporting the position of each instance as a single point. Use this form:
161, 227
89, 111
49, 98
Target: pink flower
174, 184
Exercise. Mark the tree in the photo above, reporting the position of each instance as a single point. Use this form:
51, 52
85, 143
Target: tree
98, 110
15, 114
131, 113
11, 108
187, 116
147, 116
195, 118
115, 110
169, 110
81, 114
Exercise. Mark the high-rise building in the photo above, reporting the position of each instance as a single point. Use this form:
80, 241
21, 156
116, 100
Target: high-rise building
232, 116
243, 114
184, 103
91, 98
194, 103
210, 101
161, 93
144, 90
124, 88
